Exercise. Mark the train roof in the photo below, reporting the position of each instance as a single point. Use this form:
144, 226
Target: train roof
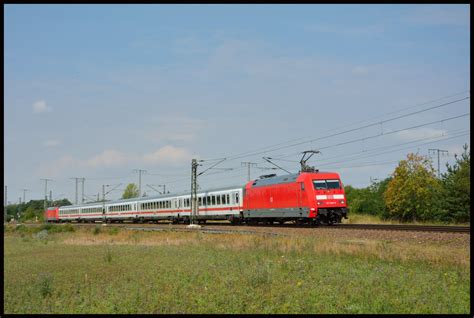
163, 196
286, 178
275, 180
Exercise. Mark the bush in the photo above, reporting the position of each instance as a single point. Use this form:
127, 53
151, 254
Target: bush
42, 235
21, 228
113, 231
68, 228
96, 230
45, 284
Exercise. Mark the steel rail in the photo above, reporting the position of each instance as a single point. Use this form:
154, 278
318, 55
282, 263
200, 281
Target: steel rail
383, 227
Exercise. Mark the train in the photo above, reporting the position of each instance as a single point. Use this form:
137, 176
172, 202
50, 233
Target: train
303, 198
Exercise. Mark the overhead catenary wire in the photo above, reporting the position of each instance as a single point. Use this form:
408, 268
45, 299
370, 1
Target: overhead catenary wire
372, 149
373, 155
384, 133
272, 148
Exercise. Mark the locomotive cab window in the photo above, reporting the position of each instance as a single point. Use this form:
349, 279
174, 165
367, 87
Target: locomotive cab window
333, 184
326, 184
319, 184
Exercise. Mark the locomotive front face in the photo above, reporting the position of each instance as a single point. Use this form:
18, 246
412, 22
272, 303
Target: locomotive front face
331, 202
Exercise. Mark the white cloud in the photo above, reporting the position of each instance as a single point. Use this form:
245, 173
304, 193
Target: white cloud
54, 168
41, 107
168, 155
51, 143
109, 158
415, 134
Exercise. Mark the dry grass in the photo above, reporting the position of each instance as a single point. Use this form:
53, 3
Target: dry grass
432, 252
111, 270
372, 219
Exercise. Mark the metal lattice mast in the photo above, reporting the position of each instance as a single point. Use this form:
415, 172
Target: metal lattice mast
24, 196
140, 171
82, 180
438, 151
248, 164
75, 201
194, 206
46, 191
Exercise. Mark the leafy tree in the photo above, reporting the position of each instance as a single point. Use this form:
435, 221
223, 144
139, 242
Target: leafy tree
62, 202
31, 209
131, 191
367, 200
31, 213
414, 191
456, 199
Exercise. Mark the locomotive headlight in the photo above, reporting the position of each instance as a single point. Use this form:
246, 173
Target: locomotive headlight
342, 201
319, 202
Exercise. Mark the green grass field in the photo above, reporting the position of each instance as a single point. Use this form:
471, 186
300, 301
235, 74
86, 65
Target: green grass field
106, 270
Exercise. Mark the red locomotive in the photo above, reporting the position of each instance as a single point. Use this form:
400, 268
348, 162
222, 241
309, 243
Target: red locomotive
308, 197
52, 214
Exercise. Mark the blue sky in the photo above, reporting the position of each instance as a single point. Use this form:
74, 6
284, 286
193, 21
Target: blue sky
96, 91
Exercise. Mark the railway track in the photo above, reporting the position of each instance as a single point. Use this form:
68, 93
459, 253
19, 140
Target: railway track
218, 227
403, 227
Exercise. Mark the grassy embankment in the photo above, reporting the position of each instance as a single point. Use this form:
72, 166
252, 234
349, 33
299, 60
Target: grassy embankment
372, 219
110, 270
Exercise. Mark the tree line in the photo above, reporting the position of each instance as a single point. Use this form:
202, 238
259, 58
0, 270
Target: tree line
414, 193
30, 210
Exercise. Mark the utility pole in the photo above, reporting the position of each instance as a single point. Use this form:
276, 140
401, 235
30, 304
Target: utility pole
83, 179
51, 196
194, 186
194, 201
248, 164
103, 191
438, 151
46, 191
18, 211
24, 191
139, 180
75, 201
